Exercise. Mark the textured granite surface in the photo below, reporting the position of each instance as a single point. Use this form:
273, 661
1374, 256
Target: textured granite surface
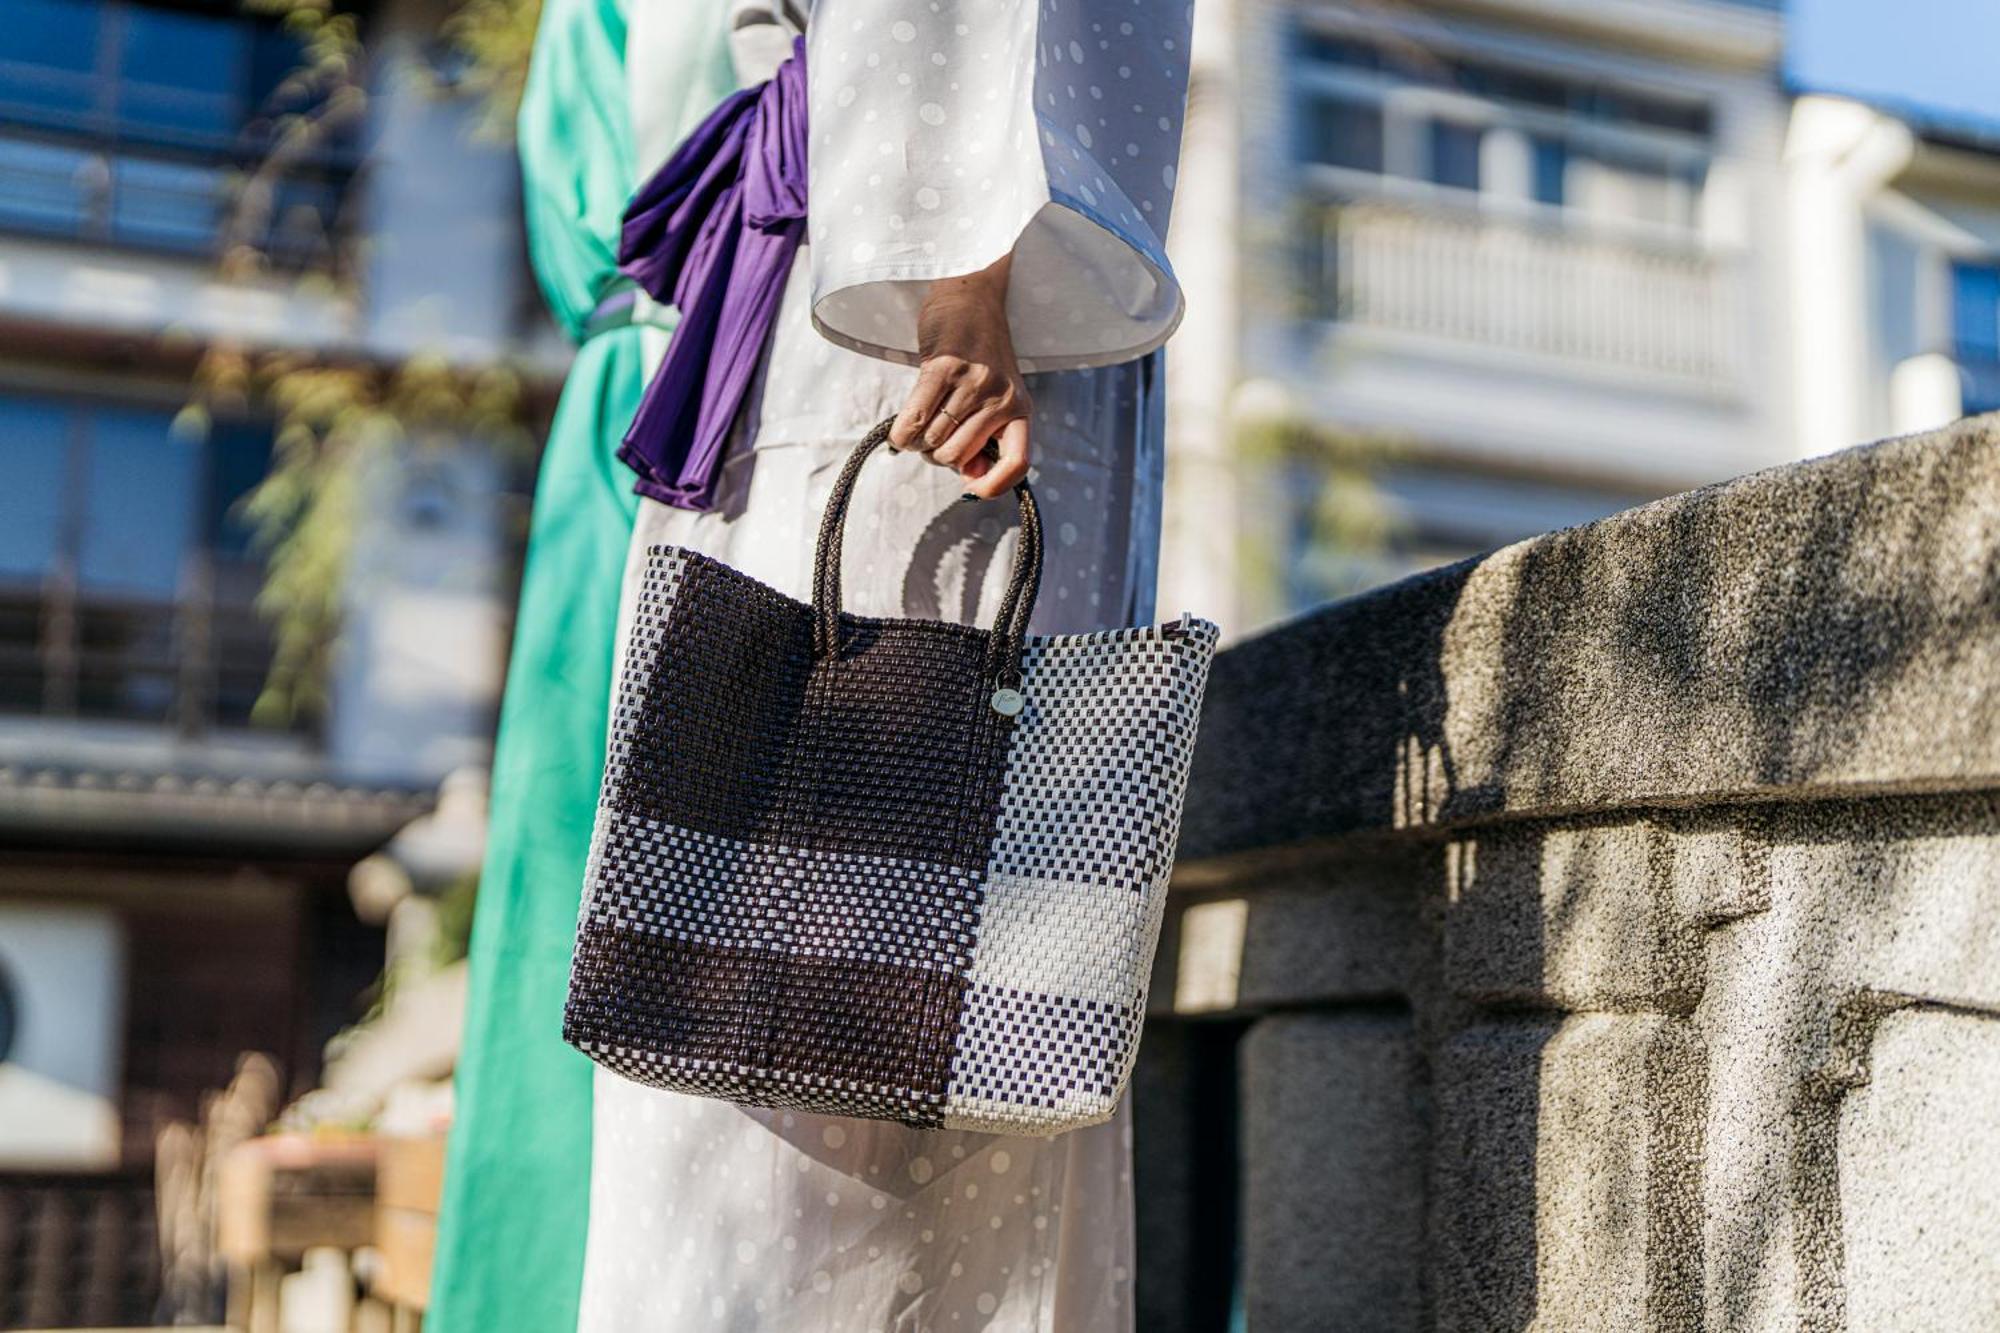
1334, 1190
1614, 923
1831, 626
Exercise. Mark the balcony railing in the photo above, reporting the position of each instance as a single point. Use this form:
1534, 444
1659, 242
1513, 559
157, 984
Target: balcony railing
194, 663
1523, 285
98, 187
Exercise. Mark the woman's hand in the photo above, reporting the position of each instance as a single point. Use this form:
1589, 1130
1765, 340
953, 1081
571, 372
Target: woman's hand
969, 389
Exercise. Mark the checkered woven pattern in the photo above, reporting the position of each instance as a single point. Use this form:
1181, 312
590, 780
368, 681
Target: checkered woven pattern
1038, 1063
844, 881
1077, 880
820, 904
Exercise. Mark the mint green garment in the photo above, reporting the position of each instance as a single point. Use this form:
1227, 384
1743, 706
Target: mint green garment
517, 1178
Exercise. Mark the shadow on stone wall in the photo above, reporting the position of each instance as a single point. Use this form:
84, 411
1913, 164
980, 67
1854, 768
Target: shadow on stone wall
1793, 630
1536, 804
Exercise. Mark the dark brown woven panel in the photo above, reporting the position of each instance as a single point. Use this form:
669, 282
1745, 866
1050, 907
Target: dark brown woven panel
887, 748
704, 735
819, 1034
901, 753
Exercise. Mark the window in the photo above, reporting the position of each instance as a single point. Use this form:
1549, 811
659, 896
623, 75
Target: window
1574, 143
1326, 48
184, 74
36, 479
1975, 327
1526, 88
1345, 134
126, 572
1455, 155
1550, 166
128, 122
50, 59
1976, 311
155, 71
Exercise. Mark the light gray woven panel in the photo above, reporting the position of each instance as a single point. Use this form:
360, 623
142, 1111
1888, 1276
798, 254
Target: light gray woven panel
705, 889
1076, 885
1097, 770
1037, 1064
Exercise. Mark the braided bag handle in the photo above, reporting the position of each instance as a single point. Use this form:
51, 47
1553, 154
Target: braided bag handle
1003, 655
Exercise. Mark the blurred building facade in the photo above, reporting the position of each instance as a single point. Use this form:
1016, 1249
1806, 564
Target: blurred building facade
1895, 235
1463, 271
173, 878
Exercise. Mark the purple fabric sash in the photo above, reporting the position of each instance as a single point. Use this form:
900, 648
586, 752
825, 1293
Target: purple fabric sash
714, 232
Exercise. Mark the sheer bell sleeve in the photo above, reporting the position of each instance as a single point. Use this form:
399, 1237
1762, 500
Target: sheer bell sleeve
760, 36
947, 136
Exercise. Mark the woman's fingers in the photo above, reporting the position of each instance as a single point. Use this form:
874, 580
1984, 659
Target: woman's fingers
955, 409
986, 422
970, 375
977, 404
934, 382
1000, 477
975, 467
973, 388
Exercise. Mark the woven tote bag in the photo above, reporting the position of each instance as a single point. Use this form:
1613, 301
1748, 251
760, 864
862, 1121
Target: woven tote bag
897, 869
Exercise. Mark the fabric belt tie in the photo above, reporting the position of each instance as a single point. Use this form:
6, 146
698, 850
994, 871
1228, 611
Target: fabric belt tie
620, 308
714, 233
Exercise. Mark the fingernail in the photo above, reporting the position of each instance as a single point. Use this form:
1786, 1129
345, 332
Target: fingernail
968, 496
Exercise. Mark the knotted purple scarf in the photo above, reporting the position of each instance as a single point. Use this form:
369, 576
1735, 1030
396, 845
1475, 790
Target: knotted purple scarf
714, 232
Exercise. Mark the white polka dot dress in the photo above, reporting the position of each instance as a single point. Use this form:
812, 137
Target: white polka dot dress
947, 135
709, 1216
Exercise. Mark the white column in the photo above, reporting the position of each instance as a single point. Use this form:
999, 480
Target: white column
1925, 392
1838, 153
1200, 524
1507, 165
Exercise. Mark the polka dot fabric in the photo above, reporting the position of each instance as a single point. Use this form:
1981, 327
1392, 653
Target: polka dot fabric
947, 135
855, 1224
707, 1214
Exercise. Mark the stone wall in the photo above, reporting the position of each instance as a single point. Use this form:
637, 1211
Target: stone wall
1603, 934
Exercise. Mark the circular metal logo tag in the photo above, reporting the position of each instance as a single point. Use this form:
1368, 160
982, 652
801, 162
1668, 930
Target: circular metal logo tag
1008, 702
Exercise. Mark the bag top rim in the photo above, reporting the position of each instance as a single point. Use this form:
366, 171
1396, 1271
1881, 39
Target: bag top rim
1187, 627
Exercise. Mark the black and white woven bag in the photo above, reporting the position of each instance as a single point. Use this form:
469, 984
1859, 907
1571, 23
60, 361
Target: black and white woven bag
899, 869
